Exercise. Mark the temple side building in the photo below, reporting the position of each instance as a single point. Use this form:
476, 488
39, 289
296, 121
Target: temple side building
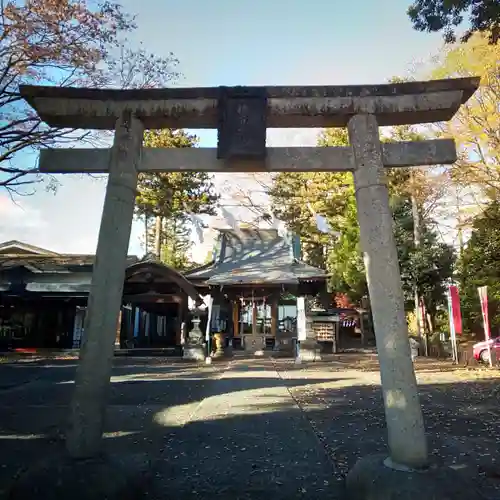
43, 296
254, 279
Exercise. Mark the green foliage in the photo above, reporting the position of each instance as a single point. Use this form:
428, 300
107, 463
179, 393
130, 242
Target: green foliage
172, 196
475, 126
333, 196
475, 130
447, 15
209, 257
295, 195
428, 266
174, 250
478, 266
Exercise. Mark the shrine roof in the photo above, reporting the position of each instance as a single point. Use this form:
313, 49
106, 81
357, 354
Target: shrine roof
16, 247
255, 256
149, 270
62, 263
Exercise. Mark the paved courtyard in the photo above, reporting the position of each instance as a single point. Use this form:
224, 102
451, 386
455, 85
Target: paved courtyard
251, 428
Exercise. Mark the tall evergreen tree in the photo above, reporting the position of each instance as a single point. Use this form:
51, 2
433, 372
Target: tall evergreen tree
176, 242
479, 265
165, 200
428, 267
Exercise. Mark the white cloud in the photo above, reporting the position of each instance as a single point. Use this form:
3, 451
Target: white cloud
20, 222
67, 221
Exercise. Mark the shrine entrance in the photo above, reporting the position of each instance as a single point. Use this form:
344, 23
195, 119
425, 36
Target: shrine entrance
258, 273
256, 323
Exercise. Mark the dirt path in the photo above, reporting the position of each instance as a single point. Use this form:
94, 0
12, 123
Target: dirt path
247, 439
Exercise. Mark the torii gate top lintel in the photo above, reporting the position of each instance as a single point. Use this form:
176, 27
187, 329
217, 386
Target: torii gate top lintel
298, 106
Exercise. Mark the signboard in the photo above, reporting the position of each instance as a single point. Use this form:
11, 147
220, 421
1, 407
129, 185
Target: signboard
301, 319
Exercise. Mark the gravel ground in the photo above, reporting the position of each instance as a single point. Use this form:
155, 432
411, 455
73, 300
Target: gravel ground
249, 428
461, 410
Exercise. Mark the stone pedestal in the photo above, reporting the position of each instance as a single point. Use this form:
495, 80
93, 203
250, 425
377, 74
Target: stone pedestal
370, 479
219, 339
308, 350
123, 477
254, 344
193, 352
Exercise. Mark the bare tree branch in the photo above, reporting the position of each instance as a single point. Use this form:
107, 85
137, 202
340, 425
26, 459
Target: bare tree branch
71, 43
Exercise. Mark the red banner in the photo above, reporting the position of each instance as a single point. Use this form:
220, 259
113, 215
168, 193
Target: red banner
483, 297
455, 309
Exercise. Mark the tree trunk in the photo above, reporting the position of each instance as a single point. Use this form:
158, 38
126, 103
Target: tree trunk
459, 223
173, 249
431, 321
158, 231
416, 239
146, 238
426, 326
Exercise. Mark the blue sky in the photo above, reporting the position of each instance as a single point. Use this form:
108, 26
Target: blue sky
258, 42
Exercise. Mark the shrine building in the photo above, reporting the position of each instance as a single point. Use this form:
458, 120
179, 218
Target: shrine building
254, 278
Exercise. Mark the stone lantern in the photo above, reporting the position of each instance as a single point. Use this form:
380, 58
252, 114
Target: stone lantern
194, 348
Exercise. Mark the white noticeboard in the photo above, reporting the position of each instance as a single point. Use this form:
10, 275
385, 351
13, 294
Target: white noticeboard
453, 337
209, 302
301, 318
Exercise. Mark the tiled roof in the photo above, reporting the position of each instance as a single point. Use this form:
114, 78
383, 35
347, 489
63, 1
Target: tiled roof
50, 263
16, 247
251, 256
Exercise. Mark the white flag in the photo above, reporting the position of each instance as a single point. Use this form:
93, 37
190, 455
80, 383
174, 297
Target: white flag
229, 218
322, 224
198, 227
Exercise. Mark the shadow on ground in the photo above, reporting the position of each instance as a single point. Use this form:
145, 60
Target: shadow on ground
243, 431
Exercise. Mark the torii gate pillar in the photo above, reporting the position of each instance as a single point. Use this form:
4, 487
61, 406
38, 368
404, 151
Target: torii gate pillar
402, 406
86, 423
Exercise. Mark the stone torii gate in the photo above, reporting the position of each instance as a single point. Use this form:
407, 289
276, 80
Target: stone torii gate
241, 116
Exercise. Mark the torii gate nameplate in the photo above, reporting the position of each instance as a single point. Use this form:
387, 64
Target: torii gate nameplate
242, 123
